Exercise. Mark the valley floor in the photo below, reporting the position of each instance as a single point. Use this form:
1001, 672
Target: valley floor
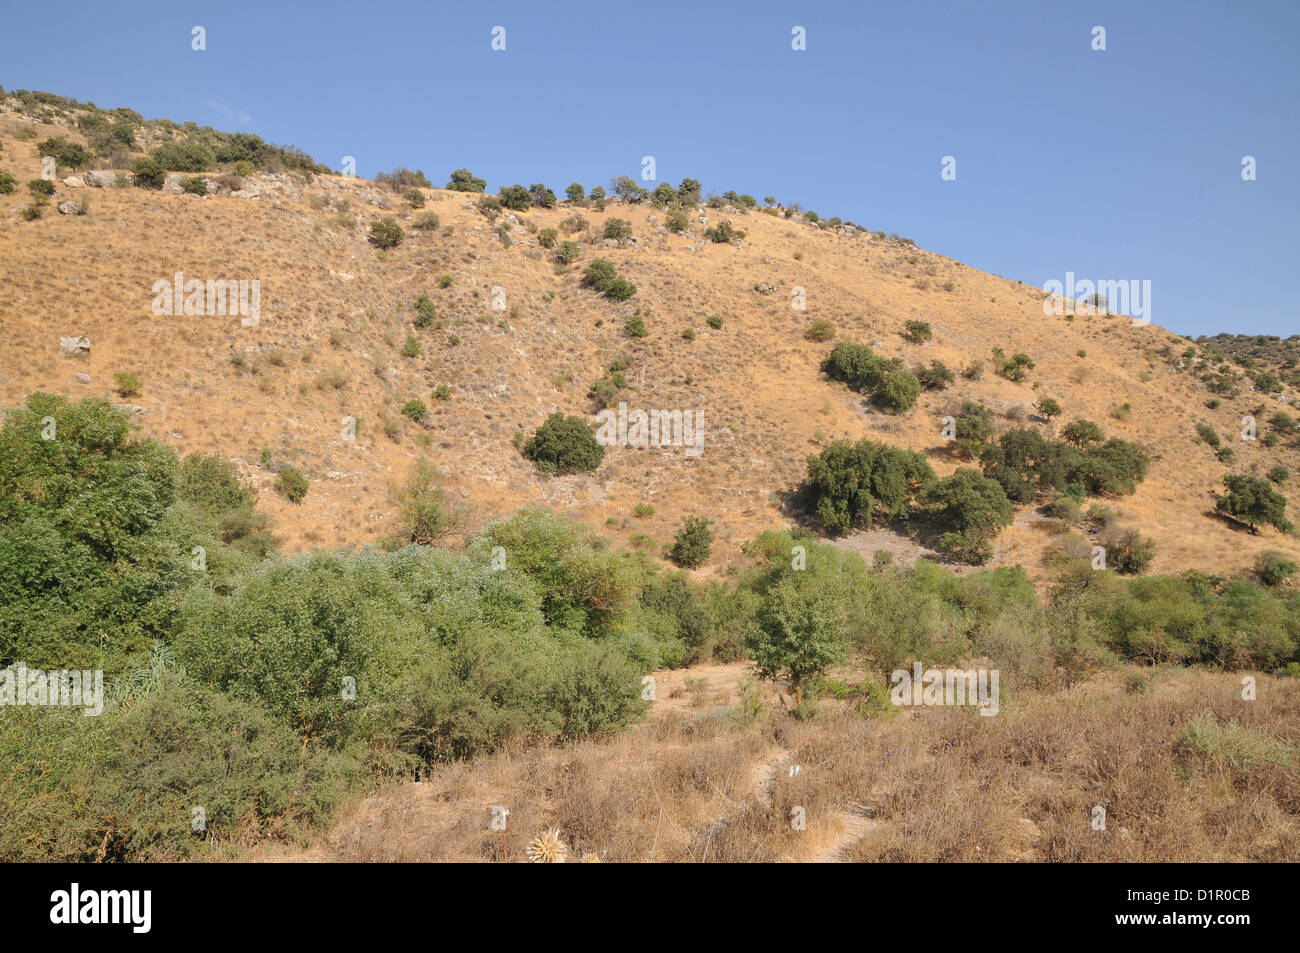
1158, 764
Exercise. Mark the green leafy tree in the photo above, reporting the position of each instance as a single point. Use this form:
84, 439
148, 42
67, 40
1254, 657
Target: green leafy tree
1253, 501
853, 484
386, 233
800, 632
972, 509
692, 544
515, 197
463, 180
564, 444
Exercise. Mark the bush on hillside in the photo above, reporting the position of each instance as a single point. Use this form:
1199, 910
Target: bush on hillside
564, 444
854, 484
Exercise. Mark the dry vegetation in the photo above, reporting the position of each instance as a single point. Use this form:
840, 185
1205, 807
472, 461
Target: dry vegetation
334, 318
1185, 769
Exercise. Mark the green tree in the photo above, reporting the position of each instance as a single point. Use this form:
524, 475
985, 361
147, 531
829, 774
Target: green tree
1253, 501
463, 180
515, 197
564, 444
800, 632
972, 509
853, 484
692, 544
386, 233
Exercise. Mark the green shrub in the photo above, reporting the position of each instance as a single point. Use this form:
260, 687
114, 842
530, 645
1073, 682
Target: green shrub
292, 484
636, 326
127, 384
515, 197
820, 330
541, 196
564, 445
692, 544
40, 188
415, 409
1049, 408
411, 347
935, 376
858, 366
917, 331
184, 157
424, 312
1253, 501
617, 229
973, 427
7, 183
194, 185
1207, 433
567, 253
428, 221
620, 289
386, 233
971, 509
714, 322
627, 189
67, 155
442, 392
723, 232
898, 391
415, 199
424, 514
547, 237
854, 484
601, 275
575, 193
664, 195
1129, 553
31, 212
1013, 368
677, 221
462, 180
1278, 474
88, 560
1274, 568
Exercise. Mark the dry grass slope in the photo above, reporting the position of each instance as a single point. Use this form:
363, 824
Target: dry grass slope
335, 316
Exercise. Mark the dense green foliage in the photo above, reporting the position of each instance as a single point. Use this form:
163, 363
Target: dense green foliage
1251, 500
270, 690
854, 484
862, 369
564, 444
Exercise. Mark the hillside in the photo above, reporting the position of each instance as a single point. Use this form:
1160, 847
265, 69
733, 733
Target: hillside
335, 315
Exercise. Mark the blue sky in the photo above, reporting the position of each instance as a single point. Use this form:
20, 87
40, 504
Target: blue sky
1123, 164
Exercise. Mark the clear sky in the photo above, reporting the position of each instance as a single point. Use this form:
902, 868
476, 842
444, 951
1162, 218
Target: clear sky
1123, 164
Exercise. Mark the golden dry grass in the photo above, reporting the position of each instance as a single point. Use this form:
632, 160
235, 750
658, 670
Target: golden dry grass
328, 347
924, 785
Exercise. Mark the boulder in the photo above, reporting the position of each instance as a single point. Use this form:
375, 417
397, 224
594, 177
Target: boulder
73, 182
69, 208
83, 378
78, 346
101, 180
172, 183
